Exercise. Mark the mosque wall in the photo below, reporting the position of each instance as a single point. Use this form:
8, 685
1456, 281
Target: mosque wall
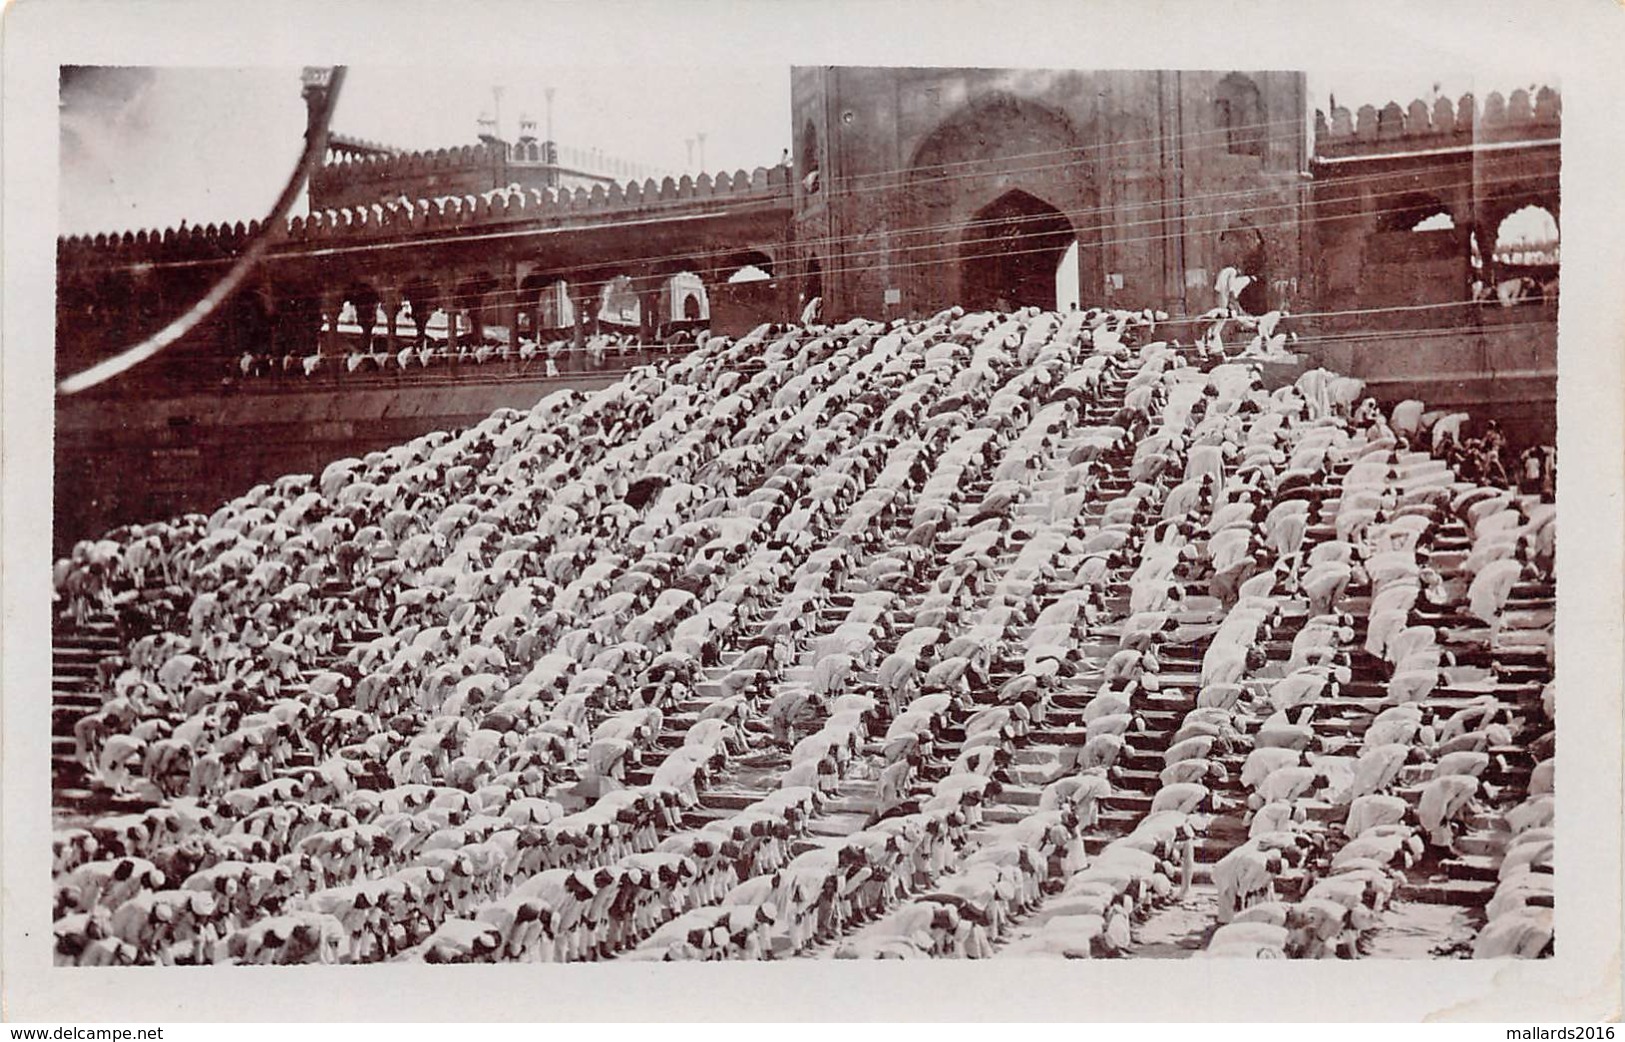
156, 457
1503, 370
1148, 168
911, 190
365, 180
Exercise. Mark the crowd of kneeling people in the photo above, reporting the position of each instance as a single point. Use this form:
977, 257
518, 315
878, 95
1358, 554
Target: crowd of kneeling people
426, 704
368, 352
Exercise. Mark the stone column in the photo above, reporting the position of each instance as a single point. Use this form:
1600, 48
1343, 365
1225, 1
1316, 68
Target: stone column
328, 339
422, 308
449, 298
476, 319
1486, 254
509, 289
708, 293
392, 312
366, 316
649, 318
584, 301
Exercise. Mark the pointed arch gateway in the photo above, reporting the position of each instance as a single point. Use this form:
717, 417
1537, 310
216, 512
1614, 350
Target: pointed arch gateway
1010, 253
998, 192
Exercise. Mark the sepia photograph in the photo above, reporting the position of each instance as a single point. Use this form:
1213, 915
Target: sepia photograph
637, 512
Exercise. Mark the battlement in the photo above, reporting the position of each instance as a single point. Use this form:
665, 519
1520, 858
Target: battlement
1373, 131
342, 145
381, 164
356, 171
423, 217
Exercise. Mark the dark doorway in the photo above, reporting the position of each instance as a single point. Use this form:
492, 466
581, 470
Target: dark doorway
1241, 246
1011, 251
812, 284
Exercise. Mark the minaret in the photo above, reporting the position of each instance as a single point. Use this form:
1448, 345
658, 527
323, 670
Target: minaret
317, 79
550, 148
488, 129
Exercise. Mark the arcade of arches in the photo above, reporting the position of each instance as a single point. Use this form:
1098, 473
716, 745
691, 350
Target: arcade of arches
1523, 240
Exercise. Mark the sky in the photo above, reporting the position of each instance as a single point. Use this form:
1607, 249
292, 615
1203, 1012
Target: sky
238, 131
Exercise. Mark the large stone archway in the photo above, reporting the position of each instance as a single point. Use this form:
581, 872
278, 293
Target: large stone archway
1004, 175
1010, 251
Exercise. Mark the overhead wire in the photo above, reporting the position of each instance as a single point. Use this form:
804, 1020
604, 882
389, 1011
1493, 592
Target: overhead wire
258, 247
486, 373
1225, 130
903, 172
1002, 165
851, 184
499, 295
1112, 208
995, 164
641, 260
503, 295
1395, 338
1003, 158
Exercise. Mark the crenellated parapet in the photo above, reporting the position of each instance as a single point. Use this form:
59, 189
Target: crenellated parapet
348, 167
542, 208
358, 172
1442, 124
341, 147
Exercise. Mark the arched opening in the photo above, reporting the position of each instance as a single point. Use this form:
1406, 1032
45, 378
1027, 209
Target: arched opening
554, 311
1527, 251
684, 303
994, 145
546, 320
1528, 237
419, 307
618, 305
747, 292
1415, 212
747, 266
1238, 108
251, 329
297, 324
749, 273
359, 316
1418, 256
475, 310
1241, 246
1011, 253
688, 299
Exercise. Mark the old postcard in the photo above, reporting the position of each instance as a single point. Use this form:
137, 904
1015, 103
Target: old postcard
935, 512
